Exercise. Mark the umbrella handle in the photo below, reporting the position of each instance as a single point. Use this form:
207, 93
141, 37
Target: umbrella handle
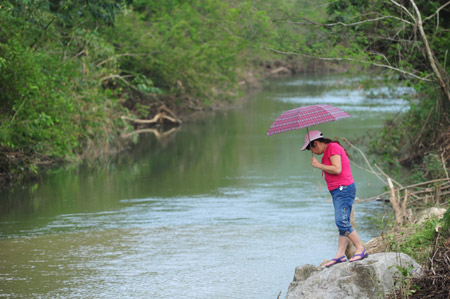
312, 156
307, 134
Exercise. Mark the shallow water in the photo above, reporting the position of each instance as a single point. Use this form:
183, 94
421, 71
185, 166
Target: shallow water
217, 210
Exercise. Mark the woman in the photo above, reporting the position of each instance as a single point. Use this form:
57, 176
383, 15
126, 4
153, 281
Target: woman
335, 166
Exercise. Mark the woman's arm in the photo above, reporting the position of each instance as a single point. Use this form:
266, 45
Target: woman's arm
334, 168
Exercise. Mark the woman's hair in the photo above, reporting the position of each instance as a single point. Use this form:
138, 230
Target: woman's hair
326, 140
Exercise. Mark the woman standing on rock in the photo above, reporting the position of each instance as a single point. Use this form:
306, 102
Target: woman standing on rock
335, 167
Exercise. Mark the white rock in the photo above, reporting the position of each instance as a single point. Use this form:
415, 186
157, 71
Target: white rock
430, 213
372, 277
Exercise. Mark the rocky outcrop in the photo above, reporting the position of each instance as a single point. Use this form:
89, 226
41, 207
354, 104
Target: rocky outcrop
372, 277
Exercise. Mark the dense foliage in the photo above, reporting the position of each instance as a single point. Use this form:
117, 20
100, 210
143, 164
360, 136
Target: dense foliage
51, 102
70, 69
388, 34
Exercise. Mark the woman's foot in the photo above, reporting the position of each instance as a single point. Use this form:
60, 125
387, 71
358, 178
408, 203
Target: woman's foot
359, 255
336, 260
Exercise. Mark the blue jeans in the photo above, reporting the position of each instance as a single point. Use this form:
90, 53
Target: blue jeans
343, 198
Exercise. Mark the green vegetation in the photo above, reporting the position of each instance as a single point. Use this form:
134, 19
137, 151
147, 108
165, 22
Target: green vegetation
428, 244
416, 241
70, 69
51, 100
411, 40
405, 42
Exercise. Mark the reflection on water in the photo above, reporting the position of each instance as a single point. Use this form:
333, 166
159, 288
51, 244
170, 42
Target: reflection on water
217, 210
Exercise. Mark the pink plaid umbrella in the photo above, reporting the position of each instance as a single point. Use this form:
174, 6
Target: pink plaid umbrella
305, 117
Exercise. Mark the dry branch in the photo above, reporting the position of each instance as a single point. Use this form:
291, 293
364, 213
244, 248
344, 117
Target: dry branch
396, 205
429, 53
311, 22
436, 13
383, 173
164, 113
424, 183
412, 17
351, 60
434, 190
365, 159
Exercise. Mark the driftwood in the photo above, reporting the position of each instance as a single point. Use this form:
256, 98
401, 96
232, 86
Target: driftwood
164, 113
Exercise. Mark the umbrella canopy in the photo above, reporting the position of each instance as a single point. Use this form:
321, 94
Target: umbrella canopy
304, 117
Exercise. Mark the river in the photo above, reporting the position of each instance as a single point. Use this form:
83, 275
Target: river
215, 210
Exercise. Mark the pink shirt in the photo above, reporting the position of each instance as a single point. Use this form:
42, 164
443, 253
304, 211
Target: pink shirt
345, 178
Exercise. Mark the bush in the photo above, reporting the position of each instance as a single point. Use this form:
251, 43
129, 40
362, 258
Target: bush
51, 99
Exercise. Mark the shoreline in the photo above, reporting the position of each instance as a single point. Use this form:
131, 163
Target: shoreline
189, 110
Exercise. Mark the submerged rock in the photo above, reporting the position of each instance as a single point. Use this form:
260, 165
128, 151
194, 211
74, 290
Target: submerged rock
372, 277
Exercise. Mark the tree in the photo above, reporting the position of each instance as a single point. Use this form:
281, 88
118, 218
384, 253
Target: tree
408, 37
395, 35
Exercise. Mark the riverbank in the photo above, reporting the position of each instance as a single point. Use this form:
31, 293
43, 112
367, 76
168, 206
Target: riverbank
419, 228
178, 108
417, 225
72, 81
215, 199
410, 259
251, 80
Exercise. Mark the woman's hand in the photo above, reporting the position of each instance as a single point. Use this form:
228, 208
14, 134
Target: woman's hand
334, 168
315, 163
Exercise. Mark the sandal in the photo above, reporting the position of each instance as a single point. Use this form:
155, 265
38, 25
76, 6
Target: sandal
337, 261
362, 256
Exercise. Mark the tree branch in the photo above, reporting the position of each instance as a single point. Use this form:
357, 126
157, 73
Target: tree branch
437, 12
365, 159
404, 9
40, 34
352, 60
429, 53
311, 22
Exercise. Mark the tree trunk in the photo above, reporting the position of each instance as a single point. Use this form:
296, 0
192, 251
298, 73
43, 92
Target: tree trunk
439, 73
